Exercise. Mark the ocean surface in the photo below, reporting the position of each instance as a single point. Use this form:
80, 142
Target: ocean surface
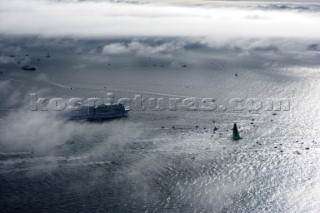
170, 160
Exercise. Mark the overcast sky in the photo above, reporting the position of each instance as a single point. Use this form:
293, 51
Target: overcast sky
104, 18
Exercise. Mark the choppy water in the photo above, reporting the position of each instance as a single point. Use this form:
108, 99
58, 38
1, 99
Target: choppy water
168, 161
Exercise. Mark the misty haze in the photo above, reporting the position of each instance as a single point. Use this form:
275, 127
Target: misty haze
159, 106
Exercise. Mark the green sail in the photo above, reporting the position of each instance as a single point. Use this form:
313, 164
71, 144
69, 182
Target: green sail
235, 133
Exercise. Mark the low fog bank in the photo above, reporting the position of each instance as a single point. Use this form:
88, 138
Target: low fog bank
75, 18
38, 131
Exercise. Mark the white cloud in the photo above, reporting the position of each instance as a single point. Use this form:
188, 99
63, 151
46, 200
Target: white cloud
115, 49
6, 60
99, 19
142, 48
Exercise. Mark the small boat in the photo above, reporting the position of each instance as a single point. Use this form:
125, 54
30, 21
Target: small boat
29, 68
99, 113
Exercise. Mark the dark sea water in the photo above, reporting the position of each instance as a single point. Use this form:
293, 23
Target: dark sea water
161, 161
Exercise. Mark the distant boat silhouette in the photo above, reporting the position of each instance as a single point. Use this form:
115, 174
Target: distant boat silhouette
29, 68
235, 133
